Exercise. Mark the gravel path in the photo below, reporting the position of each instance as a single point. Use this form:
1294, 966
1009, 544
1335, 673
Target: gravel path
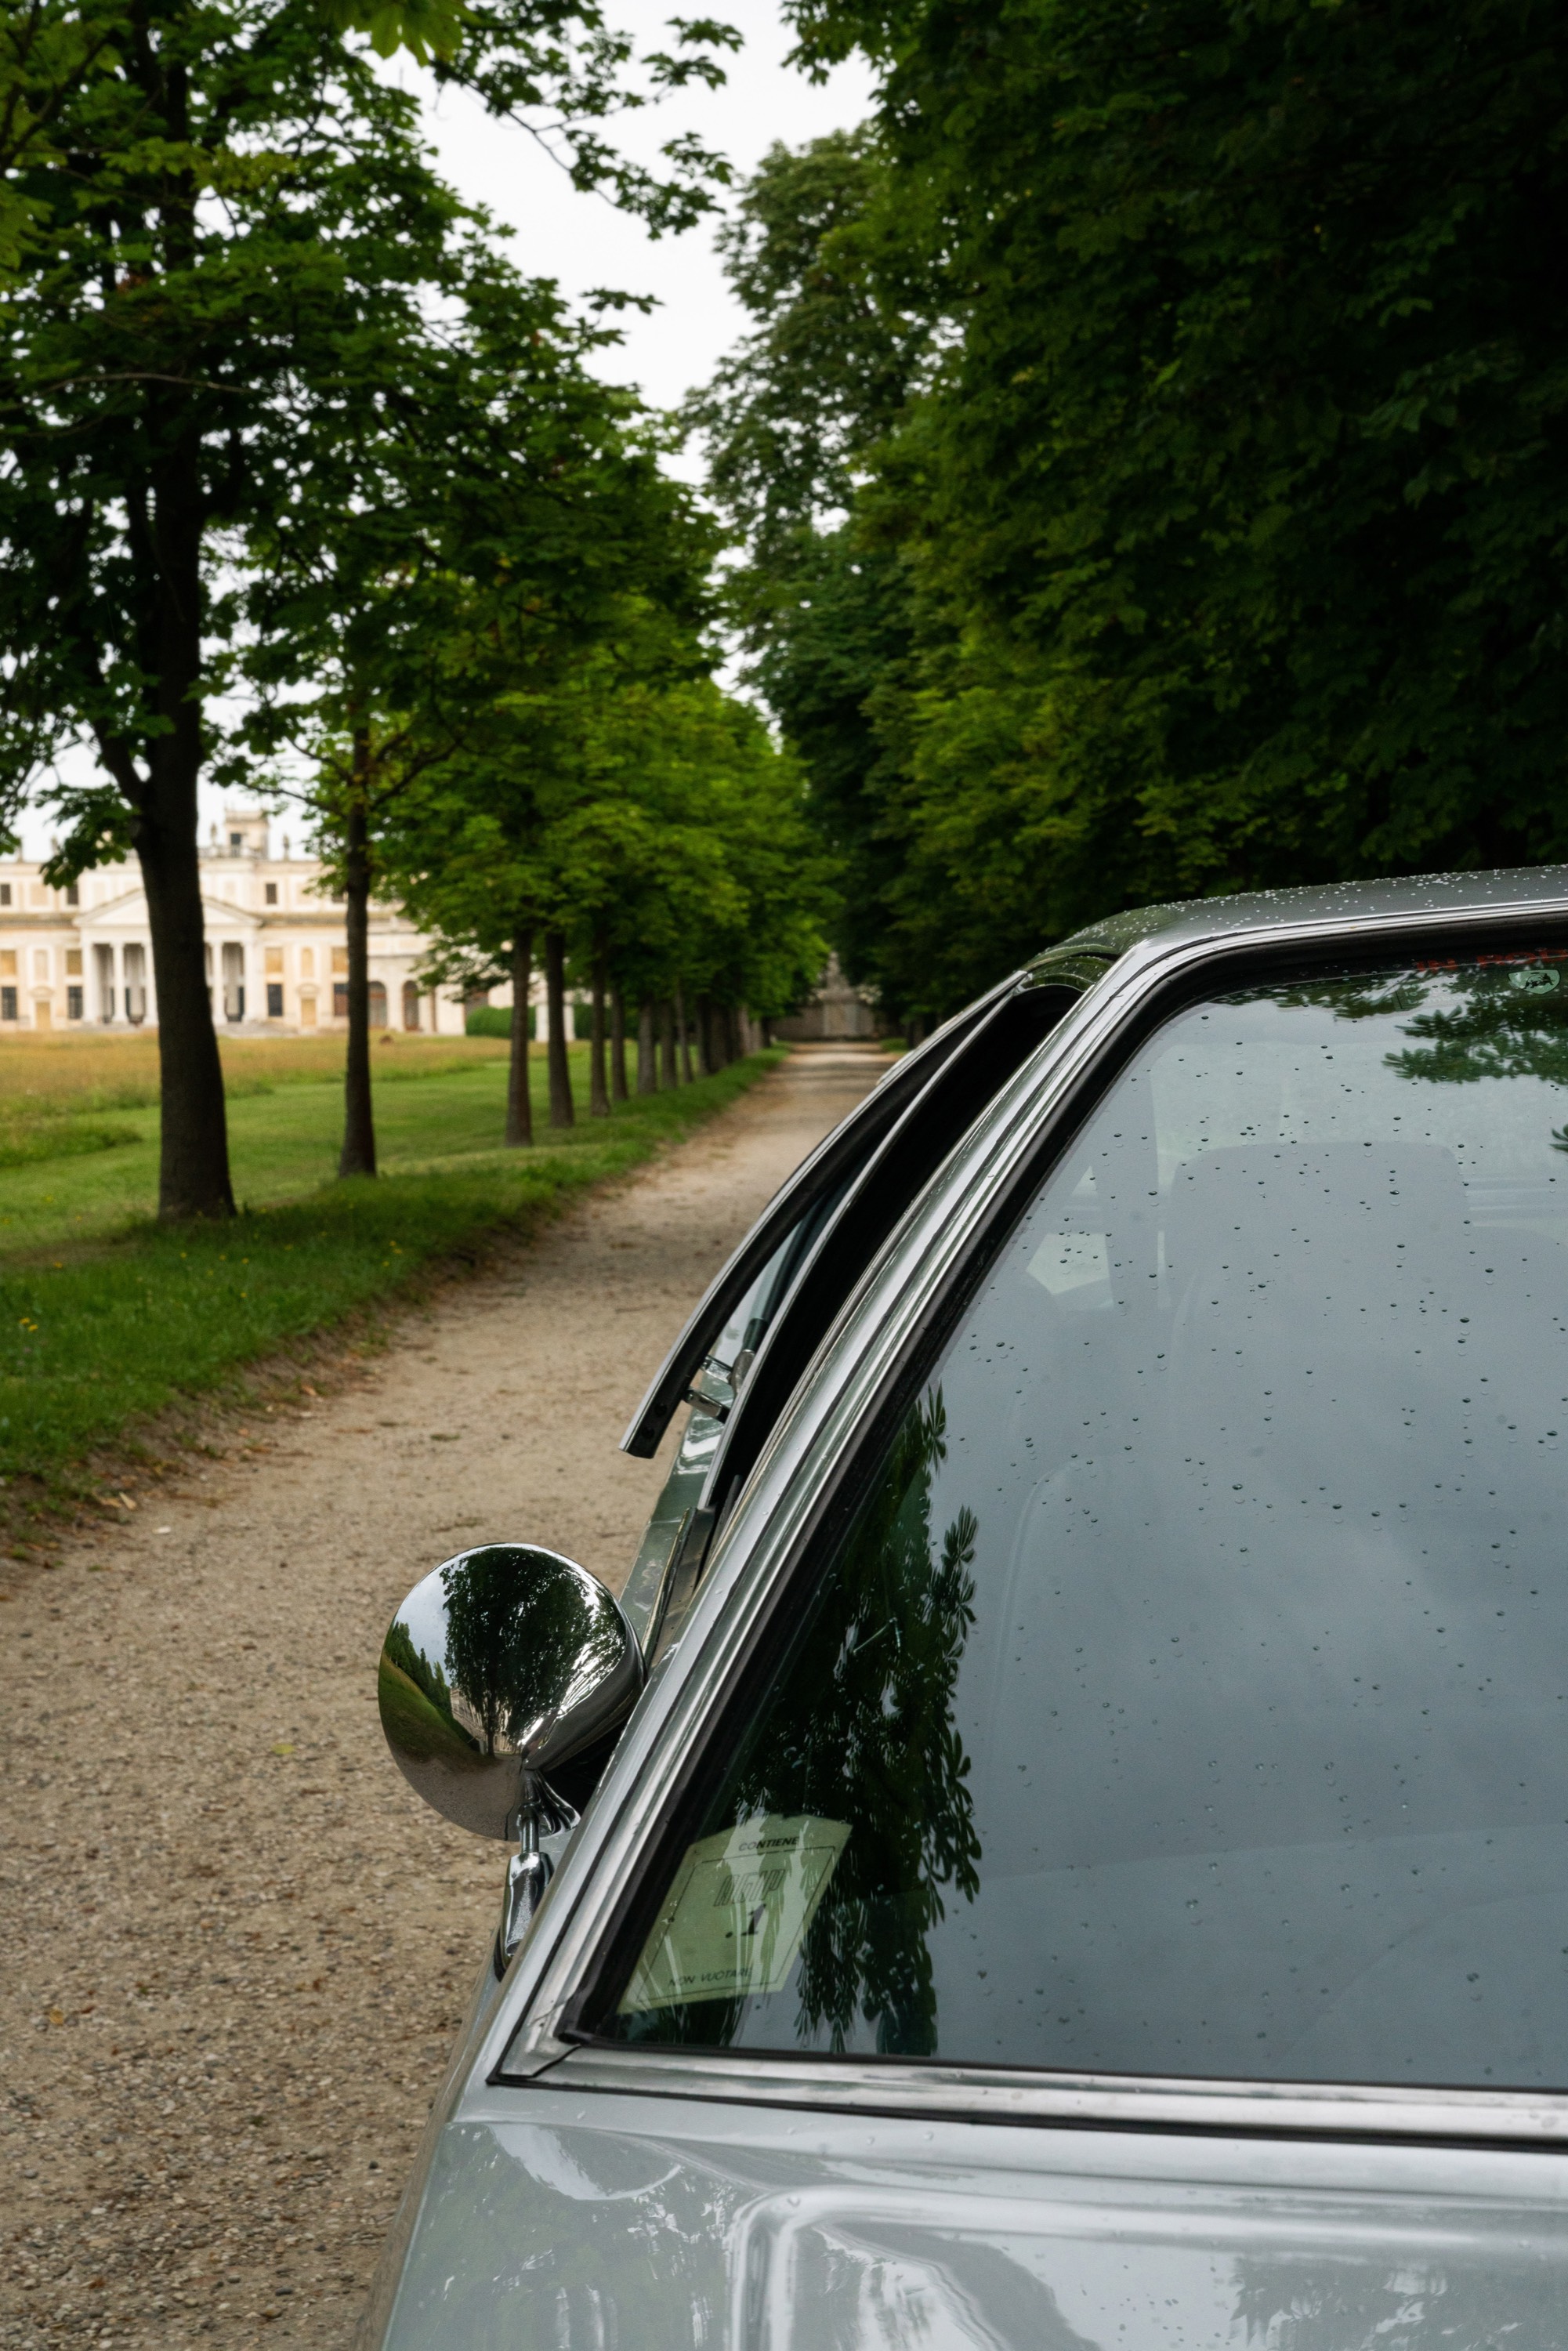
232, 1944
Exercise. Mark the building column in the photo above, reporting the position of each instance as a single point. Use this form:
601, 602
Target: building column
105, 985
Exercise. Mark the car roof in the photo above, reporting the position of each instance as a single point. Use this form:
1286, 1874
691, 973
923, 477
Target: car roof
1496, 891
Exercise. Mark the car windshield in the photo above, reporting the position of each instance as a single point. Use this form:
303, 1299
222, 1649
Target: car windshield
1188, 1695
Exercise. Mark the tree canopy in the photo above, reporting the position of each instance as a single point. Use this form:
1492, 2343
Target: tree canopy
620, 805
221, 242
1216, 540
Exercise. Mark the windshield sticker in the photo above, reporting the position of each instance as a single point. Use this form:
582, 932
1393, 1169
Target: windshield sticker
735, 1917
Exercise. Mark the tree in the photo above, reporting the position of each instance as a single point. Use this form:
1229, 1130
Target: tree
479, 518
1234, 508
645, 821
210, 209
474, 851
761, 946
844, 301
687, 862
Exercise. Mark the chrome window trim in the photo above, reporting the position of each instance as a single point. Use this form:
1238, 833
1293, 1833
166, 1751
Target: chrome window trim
817, 1172
1054, 975
757, 1549
1058, 2101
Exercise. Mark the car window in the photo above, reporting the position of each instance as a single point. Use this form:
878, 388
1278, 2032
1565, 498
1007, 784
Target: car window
1188, 1693
658, 1591
724, 1369
835, 1163
843, 1242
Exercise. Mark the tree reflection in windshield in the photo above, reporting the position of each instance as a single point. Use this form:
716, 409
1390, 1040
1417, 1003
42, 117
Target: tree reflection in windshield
1498, 1017
860, 1730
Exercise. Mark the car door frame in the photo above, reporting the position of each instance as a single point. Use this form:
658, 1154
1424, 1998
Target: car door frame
857, 1135
804, 1476
900, 1158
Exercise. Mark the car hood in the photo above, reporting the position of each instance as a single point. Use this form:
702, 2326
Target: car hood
572, 2220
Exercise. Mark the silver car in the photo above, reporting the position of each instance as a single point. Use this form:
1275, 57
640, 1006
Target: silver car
1064, 1841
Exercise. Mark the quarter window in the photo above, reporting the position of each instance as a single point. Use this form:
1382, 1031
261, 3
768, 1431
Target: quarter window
1189, 1694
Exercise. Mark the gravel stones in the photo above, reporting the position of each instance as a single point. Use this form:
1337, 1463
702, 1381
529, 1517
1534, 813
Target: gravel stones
234, 1946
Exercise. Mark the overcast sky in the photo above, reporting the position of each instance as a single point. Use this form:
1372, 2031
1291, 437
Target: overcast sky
583, 243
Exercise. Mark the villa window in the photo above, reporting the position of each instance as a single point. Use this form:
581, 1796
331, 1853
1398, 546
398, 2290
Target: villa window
7, 1004
272, 894
73, 894
4, 894
275, 1000
73, 1004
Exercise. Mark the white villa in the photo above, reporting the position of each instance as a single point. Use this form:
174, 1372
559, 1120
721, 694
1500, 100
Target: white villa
277, 956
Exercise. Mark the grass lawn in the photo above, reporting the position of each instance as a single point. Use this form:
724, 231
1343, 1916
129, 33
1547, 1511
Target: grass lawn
105, 1318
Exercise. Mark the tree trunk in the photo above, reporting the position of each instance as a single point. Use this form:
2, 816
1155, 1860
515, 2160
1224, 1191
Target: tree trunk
193, 1160
667, 1078
647, 1074
598, 1087
704, 1037
519, 1101
561, 1112
685, 1035
359, 1154
193, 1152
617, 1045
734, 1035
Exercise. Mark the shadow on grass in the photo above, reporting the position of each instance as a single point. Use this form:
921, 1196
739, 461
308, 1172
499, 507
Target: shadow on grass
95, 1339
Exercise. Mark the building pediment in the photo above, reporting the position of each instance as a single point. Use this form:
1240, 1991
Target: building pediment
130, 904
128, 912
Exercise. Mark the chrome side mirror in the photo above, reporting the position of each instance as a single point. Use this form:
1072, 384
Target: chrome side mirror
502, 1666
